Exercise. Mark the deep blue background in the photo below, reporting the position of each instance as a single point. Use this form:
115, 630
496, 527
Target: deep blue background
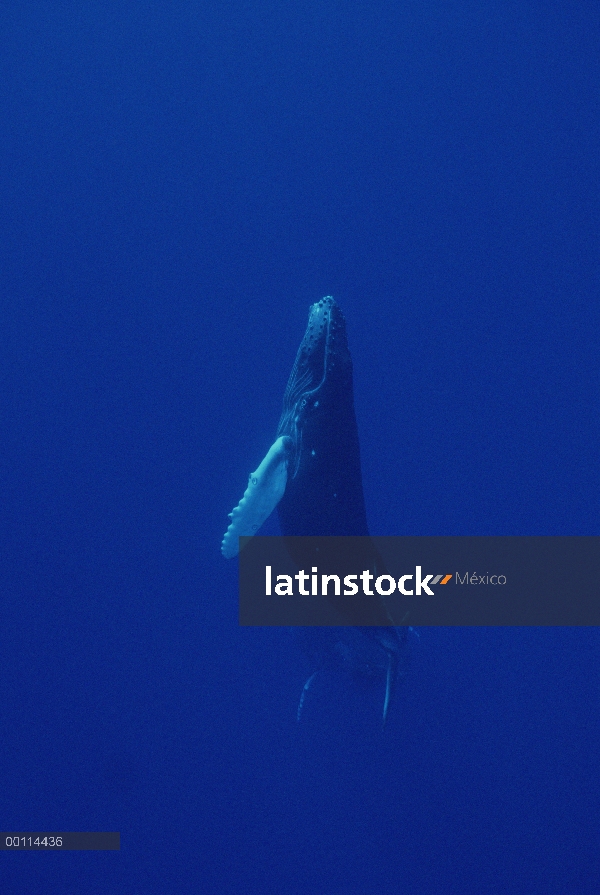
179, 181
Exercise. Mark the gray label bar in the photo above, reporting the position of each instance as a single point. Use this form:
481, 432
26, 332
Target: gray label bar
60, 841
420, 581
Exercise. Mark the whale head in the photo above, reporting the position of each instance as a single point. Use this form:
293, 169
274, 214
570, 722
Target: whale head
322, 369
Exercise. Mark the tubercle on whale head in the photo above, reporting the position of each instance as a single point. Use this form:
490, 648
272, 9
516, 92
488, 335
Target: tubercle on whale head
324, 341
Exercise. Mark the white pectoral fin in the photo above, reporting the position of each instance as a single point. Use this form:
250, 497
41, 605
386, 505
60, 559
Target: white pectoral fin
265, 489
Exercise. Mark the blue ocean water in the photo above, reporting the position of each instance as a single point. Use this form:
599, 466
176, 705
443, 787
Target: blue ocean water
179, 183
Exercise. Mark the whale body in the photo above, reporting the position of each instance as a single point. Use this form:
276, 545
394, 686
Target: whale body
312, 474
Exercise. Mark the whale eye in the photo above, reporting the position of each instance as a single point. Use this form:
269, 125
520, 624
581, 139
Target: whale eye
254, 480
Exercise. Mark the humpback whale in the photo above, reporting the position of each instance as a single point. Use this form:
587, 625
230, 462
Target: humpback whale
312, 475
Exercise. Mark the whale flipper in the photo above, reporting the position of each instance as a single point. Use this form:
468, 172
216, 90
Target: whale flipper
265, 489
